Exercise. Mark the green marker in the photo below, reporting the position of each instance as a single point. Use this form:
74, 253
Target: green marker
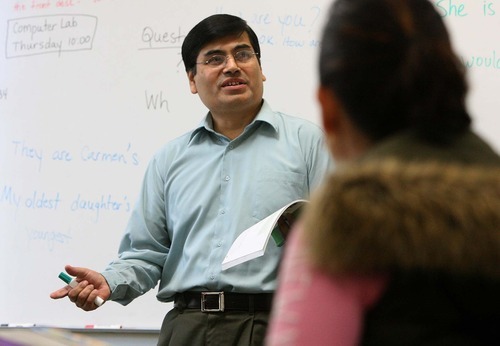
73, 283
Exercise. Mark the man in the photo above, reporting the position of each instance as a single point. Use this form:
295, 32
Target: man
201, 190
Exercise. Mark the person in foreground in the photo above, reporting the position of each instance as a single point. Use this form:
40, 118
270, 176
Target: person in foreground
401, 244
201, 190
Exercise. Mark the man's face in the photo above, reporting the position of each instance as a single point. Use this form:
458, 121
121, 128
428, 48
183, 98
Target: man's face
232, 87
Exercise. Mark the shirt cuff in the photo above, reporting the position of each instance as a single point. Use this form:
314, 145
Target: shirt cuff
117, 285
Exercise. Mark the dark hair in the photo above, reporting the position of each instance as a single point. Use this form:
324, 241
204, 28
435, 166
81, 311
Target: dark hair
210, 29
392, 66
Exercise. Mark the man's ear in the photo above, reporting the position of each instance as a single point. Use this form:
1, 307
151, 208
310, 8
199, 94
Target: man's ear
192, 83
331, 110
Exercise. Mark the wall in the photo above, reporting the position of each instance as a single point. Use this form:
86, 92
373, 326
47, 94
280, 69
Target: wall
89, 89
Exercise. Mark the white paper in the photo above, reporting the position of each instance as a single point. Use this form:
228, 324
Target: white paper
252, 242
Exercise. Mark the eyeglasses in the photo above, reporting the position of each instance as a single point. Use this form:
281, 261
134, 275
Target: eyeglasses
241, 57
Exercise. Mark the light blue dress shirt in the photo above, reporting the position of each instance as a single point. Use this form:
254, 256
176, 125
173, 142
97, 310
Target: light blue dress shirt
200, 191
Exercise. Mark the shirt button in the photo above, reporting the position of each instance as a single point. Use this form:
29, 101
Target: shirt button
219, 244
230, 147
227, 178
222, 211
212, 277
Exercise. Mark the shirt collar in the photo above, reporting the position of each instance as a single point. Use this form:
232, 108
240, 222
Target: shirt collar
265, 115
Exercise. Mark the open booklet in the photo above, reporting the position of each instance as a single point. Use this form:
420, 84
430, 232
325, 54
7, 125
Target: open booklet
252, 242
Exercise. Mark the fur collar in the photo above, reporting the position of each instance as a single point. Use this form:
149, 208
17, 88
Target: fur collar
382, 216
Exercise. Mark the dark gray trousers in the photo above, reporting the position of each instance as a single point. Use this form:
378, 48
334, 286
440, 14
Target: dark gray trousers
193, 327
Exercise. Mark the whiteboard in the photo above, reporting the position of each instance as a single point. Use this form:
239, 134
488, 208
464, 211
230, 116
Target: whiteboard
89, 89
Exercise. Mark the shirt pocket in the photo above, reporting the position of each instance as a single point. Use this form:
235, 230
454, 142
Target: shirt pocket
275, 189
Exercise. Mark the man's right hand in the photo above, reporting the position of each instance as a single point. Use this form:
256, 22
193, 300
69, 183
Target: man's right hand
90, 285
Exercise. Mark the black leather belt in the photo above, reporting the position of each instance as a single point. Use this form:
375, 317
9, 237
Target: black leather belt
223, 301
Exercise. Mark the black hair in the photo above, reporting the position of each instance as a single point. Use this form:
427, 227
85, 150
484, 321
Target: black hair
210, 29
392, 66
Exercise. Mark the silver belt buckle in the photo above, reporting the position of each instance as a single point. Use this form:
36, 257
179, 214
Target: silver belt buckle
204, 295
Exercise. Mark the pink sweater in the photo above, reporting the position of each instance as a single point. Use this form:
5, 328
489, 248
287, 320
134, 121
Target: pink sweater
315, 308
